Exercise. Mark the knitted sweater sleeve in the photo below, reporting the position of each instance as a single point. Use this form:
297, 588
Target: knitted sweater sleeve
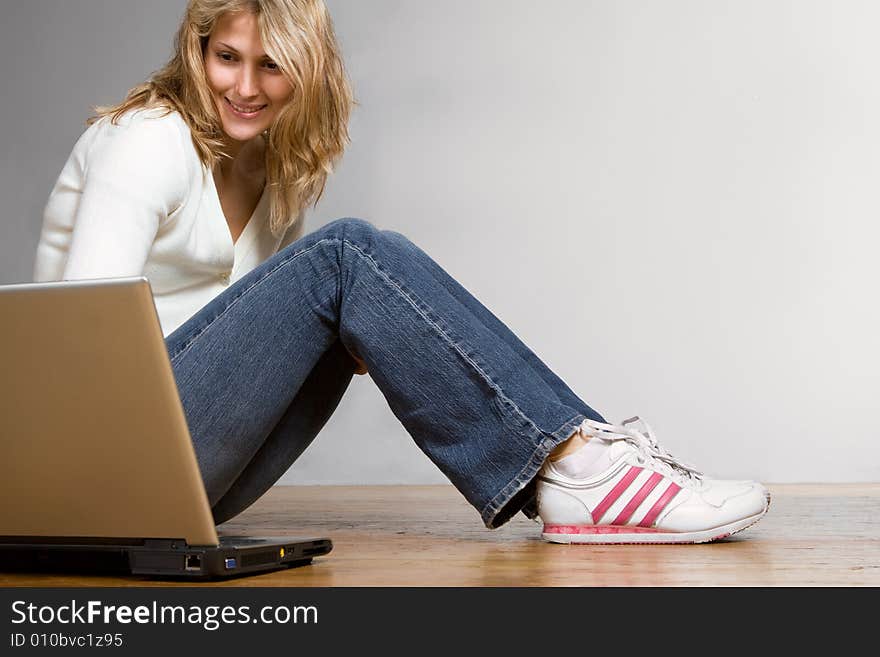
135, 178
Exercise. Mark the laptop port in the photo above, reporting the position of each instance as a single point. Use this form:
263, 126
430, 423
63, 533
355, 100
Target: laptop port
193, 562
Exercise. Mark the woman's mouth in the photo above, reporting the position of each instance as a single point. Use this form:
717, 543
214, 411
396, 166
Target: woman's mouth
243, 111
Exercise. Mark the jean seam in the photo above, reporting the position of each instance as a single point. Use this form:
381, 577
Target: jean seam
439, 330
186, 346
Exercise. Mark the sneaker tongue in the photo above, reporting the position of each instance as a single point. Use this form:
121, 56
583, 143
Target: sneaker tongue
636, 424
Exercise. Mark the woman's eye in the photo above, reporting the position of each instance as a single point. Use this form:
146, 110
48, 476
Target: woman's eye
228, 57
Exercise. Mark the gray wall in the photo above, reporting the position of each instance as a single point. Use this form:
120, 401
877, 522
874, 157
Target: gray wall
673, 203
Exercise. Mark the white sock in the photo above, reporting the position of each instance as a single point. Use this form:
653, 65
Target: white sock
586, 461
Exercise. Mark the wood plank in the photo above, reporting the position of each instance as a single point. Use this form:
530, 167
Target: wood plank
814, 534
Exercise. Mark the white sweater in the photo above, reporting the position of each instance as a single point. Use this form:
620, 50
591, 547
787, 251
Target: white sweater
134, 199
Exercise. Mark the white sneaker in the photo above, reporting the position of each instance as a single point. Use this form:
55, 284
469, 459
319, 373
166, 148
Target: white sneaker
622, 487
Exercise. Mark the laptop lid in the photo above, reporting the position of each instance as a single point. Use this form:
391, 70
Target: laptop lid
93, 437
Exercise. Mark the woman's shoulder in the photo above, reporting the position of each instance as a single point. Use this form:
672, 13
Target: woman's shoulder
146, 151
160, 123
155, 135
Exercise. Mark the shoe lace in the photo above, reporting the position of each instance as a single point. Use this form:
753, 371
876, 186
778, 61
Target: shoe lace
644, 441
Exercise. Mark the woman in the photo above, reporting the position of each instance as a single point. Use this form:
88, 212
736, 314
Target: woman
198, 181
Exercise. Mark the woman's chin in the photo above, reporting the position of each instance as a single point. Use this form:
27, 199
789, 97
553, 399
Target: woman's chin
237, 133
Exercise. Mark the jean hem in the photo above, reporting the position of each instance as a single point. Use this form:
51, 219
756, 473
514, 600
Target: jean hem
490, 512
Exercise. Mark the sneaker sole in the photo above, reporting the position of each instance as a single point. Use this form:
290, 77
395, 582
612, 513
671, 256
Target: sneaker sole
617, 534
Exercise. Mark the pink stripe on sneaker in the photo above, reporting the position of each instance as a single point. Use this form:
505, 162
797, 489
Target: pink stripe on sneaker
616, 492
637, 499
659, 505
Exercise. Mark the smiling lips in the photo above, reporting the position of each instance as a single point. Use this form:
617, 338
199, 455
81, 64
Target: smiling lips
244, 111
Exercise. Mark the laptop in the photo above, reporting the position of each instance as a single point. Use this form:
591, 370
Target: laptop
97, 467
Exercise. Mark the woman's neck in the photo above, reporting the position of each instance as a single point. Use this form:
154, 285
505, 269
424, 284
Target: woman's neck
248, 160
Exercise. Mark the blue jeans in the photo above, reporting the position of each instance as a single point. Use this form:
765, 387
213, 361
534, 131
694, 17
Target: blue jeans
263, 365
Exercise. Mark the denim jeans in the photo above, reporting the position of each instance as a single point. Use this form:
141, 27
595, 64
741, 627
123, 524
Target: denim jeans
263, 365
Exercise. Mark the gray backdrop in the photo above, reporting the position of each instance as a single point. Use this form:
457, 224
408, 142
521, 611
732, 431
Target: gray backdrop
674, 203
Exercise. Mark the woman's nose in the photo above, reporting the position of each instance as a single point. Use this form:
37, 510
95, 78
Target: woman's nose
248, 85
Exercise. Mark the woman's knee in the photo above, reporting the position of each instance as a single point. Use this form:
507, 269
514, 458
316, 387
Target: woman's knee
368, 238
350, 228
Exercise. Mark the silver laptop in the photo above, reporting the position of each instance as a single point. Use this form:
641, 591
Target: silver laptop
97, 467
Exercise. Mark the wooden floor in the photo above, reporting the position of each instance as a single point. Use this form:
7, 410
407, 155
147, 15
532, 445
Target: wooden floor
819, 535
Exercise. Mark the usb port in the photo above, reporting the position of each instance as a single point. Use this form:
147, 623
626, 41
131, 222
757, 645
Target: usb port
231, 563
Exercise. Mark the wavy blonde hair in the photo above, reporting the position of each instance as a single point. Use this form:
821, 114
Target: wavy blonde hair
307, 136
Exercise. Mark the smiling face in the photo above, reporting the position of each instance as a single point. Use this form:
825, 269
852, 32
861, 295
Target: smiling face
248, 87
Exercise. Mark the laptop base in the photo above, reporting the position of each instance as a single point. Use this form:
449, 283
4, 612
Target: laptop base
164, 558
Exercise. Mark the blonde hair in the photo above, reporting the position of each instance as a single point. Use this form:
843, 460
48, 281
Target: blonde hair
307, 136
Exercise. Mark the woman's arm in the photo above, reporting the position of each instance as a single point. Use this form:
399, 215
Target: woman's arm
136, 176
